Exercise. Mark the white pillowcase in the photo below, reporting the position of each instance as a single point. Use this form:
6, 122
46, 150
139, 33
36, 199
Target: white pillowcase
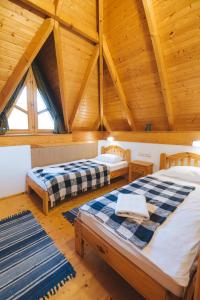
186, 173
109, 158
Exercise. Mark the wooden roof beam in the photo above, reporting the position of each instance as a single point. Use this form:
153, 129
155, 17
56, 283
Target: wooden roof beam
61, 75
55, 11
45, 7
150, 16
85, 82
25, 61
116, 81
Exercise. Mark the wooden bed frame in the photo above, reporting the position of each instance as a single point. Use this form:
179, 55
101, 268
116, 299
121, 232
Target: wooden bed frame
125, 154
136, 277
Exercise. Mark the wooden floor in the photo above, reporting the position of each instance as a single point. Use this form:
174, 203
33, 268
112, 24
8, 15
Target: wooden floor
95, 280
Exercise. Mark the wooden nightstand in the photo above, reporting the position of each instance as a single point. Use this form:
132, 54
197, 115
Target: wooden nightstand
138, 168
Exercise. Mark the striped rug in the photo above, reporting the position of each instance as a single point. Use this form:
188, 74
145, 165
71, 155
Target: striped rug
31, 267
71, 215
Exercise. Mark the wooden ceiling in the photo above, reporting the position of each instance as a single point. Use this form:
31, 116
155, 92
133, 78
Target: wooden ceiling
121, 64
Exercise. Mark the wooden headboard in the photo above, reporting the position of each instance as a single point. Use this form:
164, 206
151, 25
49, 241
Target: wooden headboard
179, 159
124, 153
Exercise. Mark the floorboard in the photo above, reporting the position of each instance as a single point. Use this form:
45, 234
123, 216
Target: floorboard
95, 280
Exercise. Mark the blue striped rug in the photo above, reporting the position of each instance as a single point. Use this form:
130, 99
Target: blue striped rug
31, 267
71, 215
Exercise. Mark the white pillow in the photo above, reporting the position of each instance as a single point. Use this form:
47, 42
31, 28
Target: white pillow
186, 173
109, 158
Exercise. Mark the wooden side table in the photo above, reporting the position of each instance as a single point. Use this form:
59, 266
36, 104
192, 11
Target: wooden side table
138, 168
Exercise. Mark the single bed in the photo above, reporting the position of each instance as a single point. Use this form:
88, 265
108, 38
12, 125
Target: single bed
164, 269
33, 182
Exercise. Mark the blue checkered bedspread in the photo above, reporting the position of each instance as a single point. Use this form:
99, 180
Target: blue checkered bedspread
162, 197
74, 177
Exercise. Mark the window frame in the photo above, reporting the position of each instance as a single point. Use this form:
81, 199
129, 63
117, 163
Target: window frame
32, 112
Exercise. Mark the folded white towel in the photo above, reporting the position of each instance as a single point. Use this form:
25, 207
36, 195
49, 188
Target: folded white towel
53, 170
132, 206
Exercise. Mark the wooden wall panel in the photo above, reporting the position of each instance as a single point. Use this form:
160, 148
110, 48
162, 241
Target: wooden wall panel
178, 24
88, 112
44, 140
81, 12
128, 39
163, 137
18, 25
76, 54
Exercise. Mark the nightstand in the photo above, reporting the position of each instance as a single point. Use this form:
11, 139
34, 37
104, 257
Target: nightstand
138, 168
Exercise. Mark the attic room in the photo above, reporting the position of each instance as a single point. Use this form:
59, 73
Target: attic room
100, 149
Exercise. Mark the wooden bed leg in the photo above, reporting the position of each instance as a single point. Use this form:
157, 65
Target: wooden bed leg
46, 204
28, 188
197, 282
79, 242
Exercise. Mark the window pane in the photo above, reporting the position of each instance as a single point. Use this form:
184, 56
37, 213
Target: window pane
45, 121
22, 100
40, 102
18, 119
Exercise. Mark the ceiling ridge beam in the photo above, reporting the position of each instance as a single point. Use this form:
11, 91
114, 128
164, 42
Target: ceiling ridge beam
117, 83
85, 82
61, 74
55, 11
26, 60
150, 16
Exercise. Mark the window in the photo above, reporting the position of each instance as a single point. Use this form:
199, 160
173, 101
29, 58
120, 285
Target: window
45, 120
29, 112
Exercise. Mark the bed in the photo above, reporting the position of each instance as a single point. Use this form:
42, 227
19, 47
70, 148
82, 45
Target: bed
116, 170
165, 268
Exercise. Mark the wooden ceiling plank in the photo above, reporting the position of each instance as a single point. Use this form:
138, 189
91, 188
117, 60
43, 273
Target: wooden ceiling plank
116, 81
45, 7
100, 23
85, 83
61, 75
25, 61
150, 16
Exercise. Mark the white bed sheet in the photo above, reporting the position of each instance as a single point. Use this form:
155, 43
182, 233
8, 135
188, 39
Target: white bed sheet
169, 256
112, 167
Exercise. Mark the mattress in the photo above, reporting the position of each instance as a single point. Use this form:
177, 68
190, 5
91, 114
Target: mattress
112, 167
171, 253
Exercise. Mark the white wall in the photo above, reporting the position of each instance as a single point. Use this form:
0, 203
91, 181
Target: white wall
148, 152
14, 164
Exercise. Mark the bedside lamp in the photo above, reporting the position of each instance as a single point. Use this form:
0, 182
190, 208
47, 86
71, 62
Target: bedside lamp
196, 144
110, 138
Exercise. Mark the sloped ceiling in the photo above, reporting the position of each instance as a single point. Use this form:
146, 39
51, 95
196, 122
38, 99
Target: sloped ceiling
18, 25
144, 81
128, 37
